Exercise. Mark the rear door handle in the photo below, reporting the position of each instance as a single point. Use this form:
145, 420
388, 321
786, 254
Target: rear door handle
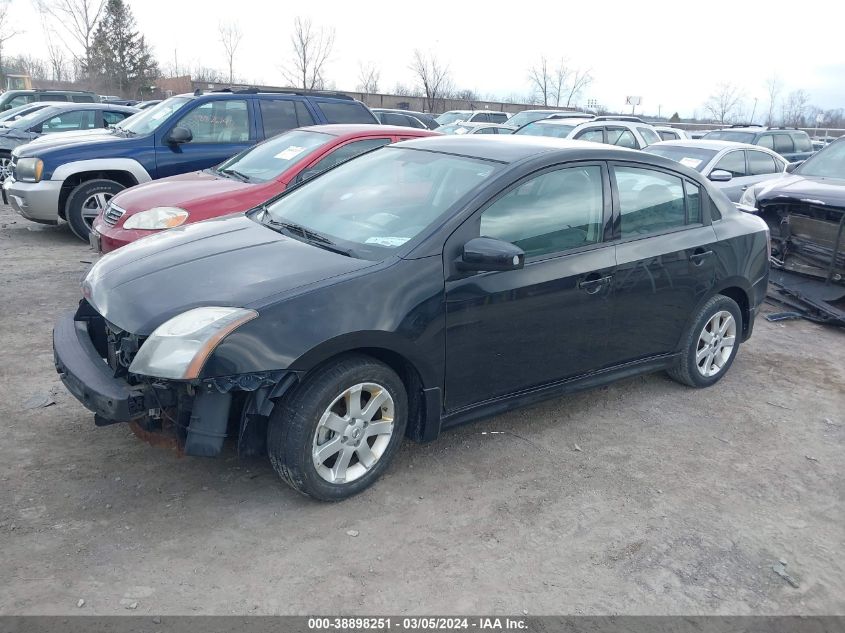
698, 256
592, 283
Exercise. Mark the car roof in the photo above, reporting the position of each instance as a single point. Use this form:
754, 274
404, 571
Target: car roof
366, 129
477, 124
702, 143
89, 106
562, 121
508, 148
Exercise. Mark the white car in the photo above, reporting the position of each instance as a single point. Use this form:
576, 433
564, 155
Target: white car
631, 134
472, 116
732, 167
475, 128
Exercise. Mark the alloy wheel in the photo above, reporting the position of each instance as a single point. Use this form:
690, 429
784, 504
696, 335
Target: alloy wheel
353, 433
5, 168
715, 343
93, 206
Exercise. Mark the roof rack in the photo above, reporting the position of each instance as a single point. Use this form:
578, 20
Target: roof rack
780, 127
619, 117
301, 93
745, 125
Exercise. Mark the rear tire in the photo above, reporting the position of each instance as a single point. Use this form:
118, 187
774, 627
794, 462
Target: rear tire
325, 441
710, 344
86, 202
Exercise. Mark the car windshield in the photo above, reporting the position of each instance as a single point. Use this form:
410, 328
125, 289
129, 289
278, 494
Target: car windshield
271, 158
693, 157
455, 128
828, 162
523, 118
148, 120
451, 117
376, 203
729, 135
539, 128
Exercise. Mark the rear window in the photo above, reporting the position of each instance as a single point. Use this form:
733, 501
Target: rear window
346, 112
270, 159
692, 157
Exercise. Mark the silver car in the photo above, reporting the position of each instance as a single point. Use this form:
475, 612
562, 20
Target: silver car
732, 167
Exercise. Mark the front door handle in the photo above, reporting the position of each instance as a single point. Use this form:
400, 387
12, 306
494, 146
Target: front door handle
593, 282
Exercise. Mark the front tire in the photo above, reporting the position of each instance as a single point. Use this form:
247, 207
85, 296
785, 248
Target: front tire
337, 432
710, 344
5, 166
86, 202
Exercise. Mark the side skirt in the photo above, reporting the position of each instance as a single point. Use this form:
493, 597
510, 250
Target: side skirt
553, 390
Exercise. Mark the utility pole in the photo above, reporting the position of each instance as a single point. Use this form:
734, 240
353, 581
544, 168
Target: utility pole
754, 111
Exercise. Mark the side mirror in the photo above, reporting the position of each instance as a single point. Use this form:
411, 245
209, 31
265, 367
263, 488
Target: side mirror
720, 175
487, 253
790, 167
179, 135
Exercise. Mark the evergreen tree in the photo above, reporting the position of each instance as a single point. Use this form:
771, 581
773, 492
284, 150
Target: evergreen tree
120, 58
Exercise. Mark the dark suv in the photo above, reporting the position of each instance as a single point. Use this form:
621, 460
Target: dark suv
14, 98
74, 179
413, 288
791, 143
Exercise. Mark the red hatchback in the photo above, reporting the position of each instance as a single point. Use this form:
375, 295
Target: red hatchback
238, 184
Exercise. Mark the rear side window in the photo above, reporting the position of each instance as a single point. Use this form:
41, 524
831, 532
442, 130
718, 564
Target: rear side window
783, 143
69, 121
649, 135
479, 117
766, 141
693, 202
733, 162
52, 97
649, 201
487, 130
497, 117
113, 118
83, 98
550, 213
596, 135
760, 163
282, 115
802, 142
668, 136
345, 112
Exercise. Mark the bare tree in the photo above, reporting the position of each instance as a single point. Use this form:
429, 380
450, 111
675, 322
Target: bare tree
541, 82
579, 80
724, 103
773, 88
368, 76
401, 90
230, 37
311, 49
7, 30
433, 77
79, 18
794, 107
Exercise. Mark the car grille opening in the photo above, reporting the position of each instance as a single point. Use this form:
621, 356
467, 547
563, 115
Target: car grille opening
112, 214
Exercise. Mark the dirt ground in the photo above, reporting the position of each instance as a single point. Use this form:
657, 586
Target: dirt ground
644, 497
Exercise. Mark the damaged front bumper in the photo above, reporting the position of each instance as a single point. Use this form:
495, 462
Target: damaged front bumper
193, 416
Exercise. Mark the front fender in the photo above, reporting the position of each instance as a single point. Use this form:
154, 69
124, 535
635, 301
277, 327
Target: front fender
129, 165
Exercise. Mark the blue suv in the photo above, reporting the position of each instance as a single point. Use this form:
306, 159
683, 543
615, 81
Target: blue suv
73, 178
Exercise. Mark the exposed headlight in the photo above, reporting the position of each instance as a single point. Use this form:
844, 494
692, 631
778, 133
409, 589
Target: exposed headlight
157, 218
178, 348
749, 197
29, 169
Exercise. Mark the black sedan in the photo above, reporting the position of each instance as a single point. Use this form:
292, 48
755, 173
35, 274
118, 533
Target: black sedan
414, 288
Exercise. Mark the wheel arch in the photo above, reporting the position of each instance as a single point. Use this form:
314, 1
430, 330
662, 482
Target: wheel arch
125, 171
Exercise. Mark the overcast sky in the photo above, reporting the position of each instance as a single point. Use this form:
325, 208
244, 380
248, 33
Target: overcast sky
666, 52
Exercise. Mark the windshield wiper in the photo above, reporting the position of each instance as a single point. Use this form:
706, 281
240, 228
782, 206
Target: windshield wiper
309, 236
234, 172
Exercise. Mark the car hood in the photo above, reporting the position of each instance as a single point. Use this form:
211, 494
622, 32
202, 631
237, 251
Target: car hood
229, 261
69, 140
808, 189
69, 137
186, 191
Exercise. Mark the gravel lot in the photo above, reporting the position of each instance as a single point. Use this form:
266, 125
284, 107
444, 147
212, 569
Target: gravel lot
640, 498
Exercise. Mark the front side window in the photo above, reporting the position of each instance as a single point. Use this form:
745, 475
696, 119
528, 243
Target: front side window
733, 162
21, 100
761, 163
69, 121
346, 112
378, 202
621, 137
649, 201
802, 142
767, 141
344, 153
479, 117
279, 115
497, 117
556, 211
224, 121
